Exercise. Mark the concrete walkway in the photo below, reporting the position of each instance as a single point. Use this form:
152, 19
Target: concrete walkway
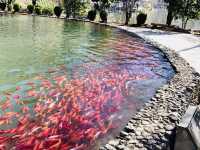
186, 45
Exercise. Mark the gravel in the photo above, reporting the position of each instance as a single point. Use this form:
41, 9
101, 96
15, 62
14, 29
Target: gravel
153, 127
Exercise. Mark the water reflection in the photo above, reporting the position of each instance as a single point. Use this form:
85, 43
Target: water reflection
71, 84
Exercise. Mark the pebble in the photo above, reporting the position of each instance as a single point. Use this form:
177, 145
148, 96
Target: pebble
145, 122
138, 133
169, 127
109, 147
124, 134
174, 116
152, 125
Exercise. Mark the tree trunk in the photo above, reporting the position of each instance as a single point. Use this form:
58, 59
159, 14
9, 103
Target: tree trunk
33, 2
169, 18
127, 13
184, 22
127, 18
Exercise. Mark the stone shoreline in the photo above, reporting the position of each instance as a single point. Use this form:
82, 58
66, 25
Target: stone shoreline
153, 127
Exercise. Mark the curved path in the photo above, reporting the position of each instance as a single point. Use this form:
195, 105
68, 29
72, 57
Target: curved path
153, 127
186, 45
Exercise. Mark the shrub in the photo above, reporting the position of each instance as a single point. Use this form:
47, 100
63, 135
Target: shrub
38, 10
58, 11
3, 6
141, 19
92, 15
16, 7
30, 8
103, 16
47, 11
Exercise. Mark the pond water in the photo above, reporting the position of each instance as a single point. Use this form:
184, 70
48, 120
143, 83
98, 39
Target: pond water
71, 85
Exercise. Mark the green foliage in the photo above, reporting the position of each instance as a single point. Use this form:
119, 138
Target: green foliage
58, 11
74, 7
38, 10
141, 19
103, 15
2, 6
6, 3
92, 15
46, 3
173, 8
16, 7
129, 5
184, 9
30, 8
189, 9
47, 11
34, 2
101, 6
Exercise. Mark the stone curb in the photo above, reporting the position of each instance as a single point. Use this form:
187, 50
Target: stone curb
153, 127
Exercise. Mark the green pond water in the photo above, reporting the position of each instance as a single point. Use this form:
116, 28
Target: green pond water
30, 45
92, 70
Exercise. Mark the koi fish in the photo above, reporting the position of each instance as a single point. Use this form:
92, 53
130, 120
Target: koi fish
68, 114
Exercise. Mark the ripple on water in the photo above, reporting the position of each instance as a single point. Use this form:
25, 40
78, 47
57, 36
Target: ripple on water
71, 84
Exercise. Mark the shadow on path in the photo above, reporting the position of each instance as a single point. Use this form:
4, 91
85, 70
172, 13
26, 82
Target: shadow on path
187, 49
151, 32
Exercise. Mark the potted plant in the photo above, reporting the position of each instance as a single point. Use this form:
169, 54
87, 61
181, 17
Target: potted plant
141, 18
58, 11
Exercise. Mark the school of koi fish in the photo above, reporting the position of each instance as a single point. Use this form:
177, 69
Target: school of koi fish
66, 114
71, 109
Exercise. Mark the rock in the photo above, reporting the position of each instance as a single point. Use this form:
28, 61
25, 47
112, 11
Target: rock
139, 137
174, 116
145, 134
121, 147
161, 130
158, 147
132, 141
145, 122
148, 137
165, 114
169, 127
160, 126
139, 145
164, 139
123, 133
168, 132
109, 147
138, 133
154, 123
102, 148
129, 128
113, 142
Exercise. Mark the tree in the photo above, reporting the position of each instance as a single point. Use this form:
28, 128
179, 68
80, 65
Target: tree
100, 6
34, 2
190, 9
73, 7
8, 3
184, 9
67, 5
173, 8
129, 5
